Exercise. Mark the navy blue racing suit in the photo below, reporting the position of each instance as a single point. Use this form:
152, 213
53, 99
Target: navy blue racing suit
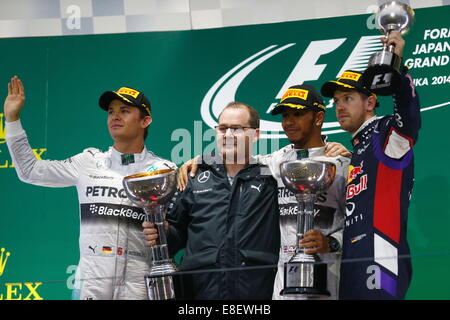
376, 262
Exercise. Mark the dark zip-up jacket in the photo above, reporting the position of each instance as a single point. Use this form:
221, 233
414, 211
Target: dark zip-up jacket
228, 226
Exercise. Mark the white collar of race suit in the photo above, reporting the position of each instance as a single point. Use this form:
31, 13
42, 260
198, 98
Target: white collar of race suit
117, 156
313, 152
365, 124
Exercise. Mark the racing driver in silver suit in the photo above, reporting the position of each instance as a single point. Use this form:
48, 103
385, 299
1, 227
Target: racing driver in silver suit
302, 111
113, 258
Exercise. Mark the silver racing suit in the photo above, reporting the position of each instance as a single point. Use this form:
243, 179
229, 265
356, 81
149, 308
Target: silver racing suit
328, 217
113, 257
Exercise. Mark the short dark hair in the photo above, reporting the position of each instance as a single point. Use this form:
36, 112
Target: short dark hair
254, 119
144, 114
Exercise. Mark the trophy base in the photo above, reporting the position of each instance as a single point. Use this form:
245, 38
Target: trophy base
160, 282
160, 287
305, 275
382, 76
309, 292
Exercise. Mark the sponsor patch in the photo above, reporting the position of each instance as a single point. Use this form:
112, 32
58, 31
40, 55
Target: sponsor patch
204, 176
202, 191
355, 189
357, 238
288, 249
350, 76
295, 93
353, 172
129, 92
107, 250
101, 212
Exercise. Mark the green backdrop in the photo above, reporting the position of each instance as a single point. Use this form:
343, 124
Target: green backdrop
186, 75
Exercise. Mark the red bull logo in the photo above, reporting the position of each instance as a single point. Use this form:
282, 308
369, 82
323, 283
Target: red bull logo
355, 189
353, 172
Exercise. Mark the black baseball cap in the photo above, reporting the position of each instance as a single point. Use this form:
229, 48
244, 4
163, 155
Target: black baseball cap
129, 96
349, 79
303, 97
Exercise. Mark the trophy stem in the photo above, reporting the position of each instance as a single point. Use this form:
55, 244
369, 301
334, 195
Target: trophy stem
391, 47
160, 285
300, 223
305, 274
160, 251
305, 218
150, 190
310, 199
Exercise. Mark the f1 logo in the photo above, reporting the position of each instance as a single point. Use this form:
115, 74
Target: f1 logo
382, 78
293, 269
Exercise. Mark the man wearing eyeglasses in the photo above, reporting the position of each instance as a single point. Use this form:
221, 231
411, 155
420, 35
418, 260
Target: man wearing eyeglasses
228, 216
303, 113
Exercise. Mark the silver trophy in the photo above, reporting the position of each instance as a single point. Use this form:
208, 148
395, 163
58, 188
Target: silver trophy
382, 75
151, 190
306, 274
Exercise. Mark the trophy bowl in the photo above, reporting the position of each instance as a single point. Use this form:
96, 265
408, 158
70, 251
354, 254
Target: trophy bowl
394, 15
151, 188
307, 176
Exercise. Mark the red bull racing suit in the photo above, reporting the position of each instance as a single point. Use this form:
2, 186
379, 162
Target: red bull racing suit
375, 261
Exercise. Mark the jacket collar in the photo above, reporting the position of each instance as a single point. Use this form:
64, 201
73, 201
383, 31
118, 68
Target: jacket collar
214, 162
116, 156
312, 152
363, 126
361, 133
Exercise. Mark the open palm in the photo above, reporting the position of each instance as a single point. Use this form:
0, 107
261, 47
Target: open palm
15, 100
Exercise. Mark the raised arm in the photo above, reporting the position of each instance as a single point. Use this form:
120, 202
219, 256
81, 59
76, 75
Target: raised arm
15, 100
30, 169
